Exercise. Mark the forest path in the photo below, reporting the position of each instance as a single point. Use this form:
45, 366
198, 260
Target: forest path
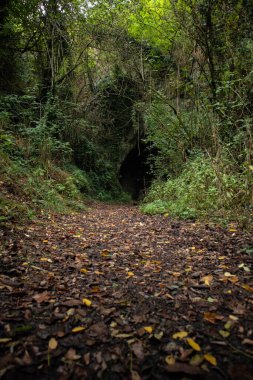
100, 295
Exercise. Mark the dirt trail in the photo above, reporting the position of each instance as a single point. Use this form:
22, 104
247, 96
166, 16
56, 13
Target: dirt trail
101, 295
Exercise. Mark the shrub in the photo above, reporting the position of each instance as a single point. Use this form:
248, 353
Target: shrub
202, 189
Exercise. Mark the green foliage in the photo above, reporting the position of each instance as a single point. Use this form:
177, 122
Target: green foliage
175, 135
203, 189
153, 21
82, 82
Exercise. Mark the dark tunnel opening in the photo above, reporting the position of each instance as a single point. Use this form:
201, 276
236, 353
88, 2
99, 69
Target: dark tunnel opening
134, 175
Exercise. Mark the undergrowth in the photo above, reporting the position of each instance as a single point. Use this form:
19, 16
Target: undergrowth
203, 190
44, 165
27, 189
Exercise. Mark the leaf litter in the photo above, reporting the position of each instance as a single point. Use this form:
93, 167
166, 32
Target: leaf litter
114, 294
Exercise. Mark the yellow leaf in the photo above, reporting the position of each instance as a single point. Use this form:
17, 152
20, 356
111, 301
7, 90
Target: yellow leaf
211, 359
170, 360
78, 329
148, 329
224, 333
193, 344
84, 270
87, 302
130, 274
247, 287
52, 344
180, 335
251, 167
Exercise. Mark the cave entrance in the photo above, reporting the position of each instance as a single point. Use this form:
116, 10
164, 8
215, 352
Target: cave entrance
134, 174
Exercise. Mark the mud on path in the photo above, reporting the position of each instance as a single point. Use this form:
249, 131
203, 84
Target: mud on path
114, 294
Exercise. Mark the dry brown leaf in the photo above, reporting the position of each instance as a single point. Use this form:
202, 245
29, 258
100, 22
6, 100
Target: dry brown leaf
72, 355
41, 297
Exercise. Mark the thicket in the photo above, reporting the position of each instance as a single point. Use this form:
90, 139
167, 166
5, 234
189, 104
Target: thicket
81, 82
201, 119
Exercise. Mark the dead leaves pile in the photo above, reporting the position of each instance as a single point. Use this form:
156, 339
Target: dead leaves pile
114, 294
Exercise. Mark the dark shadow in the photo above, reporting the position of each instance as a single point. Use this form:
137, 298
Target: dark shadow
134, 174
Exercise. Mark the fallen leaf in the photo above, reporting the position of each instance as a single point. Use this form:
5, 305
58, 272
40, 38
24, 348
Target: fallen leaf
233, 279
159, 335
176, 274
105, 252
211, 300
148, 329
207, 279
228, 325
71, 355
211, 317
130, 274
45, 259
52, 344
224, 333
211, 359
193, 344
87, 302
170, 360
70, 312
84, 270
41, 297
247, 287
196, 359
180, 335
233, 318
78, 329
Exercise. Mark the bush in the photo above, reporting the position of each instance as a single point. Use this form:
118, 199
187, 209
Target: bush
203, 189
